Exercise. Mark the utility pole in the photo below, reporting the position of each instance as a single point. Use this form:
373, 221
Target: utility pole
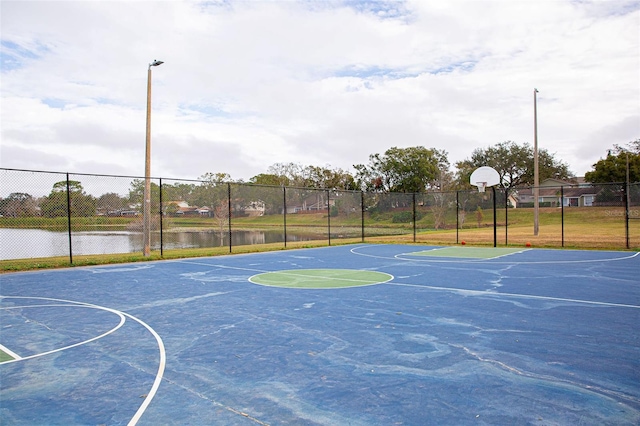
536, 177
146, 225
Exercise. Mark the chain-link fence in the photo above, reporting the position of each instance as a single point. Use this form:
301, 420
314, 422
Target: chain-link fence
633, 216
48, 214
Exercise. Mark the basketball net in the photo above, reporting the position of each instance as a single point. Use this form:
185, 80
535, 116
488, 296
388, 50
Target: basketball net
481, 186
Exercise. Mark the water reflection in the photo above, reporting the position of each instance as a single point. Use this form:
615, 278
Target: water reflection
30, 243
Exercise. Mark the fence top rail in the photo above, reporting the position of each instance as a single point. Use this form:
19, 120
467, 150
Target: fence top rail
73, 173
107, 175
505, 189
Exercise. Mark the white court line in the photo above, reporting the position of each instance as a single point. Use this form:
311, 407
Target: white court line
222, 266
159, 374
9, 352
73, 305
460, 260
163, 357
474, 259
299, 274
464, 291
293, 273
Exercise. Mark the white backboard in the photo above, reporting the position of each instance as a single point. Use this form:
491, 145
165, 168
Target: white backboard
484, 176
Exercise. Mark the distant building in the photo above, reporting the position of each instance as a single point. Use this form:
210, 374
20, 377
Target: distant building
556, 193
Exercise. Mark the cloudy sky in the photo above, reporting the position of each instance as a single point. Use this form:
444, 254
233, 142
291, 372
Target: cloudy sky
247, 84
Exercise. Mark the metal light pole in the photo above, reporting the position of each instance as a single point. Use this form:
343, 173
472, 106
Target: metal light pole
536, 178
146, 226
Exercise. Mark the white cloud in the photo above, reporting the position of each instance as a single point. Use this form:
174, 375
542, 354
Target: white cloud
247, 84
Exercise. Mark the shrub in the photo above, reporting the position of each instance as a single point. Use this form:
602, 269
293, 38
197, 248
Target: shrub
405, 217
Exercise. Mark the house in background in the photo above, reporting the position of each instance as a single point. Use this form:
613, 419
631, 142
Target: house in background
556, 193
579, 197
182, 208
311, 204
179, 208
178, 204
255, 208
205, 211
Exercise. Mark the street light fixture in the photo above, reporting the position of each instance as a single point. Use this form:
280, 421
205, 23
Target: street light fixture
146, 226
536, 178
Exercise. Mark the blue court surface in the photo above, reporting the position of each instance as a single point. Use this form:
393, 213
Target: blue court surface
346, 335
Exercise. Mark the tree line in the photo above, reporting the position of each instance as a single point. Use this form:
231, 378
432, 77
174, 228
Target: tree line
397, 170
420, 169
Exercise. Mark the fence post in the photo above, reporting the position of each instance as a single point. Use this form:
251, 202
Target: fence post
328, 217
414, 217
562, 213
457, 214
69, 219
161, 224
627, 206
284, 211
362, 213
229, 214
506, 216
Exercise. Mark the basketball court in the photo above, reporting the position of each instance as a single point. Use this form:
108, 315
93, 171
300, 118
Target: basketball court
346, 335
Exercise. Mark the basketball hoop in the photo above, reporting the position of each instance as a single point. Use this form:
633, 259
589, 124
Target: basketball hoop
484, 176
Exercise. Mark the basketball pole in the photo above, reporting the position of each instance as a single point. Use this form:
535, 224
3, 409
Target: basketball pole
495, 223
536, 177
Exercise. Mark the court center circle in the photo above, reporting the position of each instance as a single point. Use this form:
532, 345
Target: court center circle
320, 278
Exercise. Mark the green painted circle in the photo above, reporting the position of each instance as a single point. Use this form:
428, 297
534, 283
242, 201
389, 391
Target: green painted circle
320, 278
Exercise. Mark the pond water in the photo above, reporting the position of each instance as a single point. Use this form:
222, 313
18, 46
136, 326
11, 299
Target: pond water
30, 243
